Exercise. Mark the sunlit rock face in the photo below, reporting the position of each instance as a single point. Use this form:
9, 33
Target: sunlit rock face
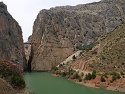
11, 41
57, 31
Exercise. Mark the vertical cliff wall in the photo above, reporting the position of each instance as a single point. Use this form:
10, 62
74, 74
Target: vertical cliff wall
57, 31
11, 41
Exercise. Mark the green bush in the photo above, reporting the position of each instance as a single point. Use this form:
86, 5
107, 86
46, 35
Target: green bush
113, 73
12, 73
74, 57
80, 79
54, 68
71, 71
82, 74
17, 81
118, 76
115, 76
106, 75
76, 76
88, 77
93, 76
8, 68
102, 79
121, 73
63, 74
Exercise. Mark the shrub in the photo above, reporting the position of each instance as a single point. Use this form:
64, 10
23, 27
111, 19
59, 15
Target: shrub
106, 75
63, 74
113, 73
82, 74
102, 79
93, 76
9, 68
118, 76
88, 77
76, 76
17, 81
71, 71
80, 79
121, 73
94, 52
115, 76
54, 68
90, 65
74, 57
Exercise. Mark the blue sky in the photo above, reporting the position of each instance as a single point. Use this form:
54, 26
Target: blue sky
25, 11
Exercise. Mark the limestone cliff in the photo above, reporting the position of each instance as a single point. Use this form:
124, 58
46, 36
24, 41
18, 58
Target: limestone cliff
11, 41
57, 31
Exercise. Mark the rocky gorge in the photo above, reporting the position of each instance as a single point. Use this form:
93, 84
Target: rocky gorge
58, 31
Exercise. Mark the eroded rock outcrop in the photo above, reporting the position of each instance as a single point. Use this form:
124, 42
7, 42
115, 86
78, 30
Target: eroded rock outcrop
11, 41
5, 88
56, 32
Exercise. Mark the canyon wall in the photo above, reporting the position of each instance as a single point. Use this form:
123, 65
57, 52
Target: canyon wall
11, 41
58, 31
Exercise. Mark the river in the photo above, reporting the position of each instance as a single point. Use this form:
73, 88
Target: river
44, 83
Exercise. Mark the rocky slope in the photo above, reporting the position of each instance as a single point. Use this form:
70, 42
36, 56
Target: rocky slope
108, 55
11, 41
106, 58
58, 31
5, 88
111, 52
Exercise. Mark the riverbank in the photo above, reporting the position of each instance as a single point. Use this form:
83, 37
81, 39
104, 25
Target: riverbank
117, 85
45, 83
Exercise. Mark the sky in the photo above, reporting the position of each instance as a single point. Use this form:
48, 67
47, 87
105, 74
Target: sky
26, 11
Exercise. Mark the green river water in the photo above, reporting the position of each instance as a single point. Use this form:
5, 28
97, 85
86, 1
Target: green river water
44, 83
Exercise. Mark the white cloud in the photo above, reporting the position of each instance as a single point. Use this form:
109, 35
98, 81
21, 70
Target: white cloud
25, 11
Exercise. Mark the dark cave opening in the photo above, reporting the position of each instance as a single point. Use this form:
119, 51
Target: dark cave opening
29, 64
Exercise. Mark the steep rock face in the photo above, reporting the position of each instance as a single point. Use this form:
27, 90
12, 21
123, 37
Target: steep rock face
11, 41
56, 32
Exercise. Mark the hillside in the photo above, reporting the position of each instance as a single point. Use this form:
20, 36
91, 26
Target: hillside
58, 31
111, 53
106, 56
101, 66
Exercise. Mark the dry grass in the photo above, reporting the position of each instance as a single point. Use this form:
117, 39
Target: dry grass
111, 53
